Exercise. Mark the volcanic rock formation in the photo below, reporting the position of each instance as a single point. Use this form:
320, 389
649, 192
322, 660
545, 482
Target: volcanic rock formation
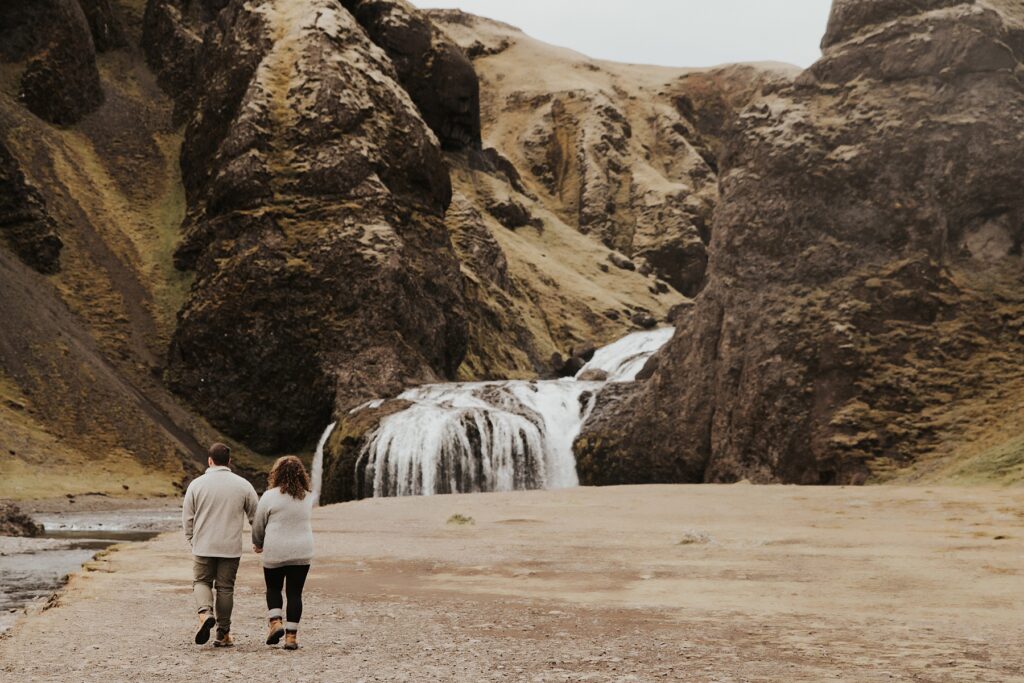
228, 219
14, 522
864, 306
59, 81
432, 69
315, 225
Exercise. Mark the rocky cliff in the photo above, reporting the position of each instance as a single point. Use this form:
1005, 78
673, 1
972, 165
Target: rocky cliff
237, 220
241, 219
316, 197
602, 145
864, 302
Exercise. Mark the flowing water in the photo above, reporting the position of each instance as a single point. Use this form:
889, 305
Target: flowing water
32, 569
467, 437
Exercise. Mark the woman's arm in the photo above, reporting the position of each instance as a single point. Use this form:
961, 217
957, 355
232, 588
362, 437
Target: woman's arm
259, 523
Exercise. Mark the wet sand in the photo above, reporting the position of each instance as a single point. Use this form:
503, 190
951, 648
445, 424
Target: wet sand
707, 583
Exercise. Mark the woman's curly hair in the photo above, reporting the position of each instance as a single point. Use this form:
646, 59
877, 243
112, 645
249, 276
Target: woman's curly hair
289, 475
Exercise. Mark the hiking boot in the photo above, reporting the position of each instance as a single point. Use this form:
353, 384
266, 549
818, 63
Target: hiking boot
290, 641
276, 632
224, 640
206, 624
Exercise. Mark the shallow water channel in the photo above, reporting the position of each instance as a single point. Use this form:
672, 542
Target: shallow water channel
33, 569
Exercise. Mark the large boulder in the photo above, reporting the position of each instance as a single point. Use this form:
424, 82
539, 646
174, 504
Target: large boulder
14, 522
53, 41
316, 196
864, 292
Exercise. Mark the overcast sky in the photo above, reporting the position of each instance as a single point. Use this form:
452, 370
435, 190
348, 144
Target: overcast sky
667, 32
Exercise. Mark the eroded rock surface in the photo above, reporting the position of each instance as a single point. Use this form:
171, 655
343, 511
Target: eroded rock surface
104, 24
324, 272
432, 69
864, 302
14, 522
24, 223
52, 42
603, 145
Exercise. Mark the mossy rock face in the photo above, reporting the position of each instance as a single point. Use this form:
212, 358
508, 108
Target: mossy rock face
608, 453
60, 82
344, 475
434, 71
24, 222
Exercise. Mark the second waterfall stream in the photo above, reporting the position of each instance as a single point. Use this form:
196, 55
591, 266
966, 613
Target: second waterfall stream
466, 437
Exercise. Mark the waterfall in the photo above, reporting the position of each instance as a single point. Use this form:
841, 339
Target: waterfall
318, 463
465, 437
623, 360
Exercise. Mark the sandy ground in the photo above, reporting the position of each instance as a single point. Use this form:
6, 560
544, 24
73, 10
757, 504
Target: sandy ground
704, 583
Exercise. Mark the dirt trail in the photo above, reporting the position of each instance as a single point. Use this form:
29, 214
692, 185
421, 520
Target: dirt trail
712, 583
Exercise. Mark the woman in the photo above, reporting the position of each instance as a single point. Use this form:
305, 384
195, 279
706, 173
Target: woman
283, 534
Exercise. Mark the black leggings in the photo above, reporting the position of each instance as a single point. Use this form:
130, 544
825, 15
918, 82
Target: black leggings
291, 578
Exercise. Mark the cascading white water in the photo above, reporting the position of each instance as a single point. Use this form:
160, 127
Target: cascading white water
488, 436
318, 463
623, 360
479, 436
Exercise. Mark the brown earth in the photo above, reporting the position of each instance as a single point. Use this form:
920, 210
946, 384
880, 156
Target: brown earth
81, 403
725, 583
607, 148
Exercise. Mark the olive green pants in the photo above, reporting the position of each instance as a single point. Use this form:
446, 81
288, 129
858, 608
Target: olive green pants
211, 574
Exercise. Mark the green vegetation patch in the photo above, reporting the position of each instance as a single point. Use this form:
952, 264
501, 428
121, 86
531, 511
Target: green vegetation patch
1002, 464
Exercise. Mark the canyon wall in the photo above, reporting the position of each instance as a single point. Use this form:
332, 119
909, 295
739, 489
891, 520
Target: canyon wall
863, 312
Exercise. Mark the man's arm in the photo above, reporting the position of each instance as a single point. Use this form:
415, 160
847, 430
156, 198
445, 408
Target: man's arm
252, 501
188, 514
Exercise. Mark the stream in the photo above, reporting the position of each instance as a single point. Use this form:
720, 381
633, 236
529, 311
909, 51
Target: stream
33, 569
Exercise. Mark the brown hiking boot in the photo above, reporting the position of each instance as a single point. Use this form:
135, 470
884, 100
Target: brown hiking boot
206, 624
290, 641
224, 640
276, 632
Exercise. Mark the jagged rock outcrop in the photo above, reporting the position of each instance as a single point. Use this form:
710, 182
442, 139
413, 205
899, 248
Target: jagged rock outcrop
24, 223
324, 272
59, 81
864, 306
104, 24
709, 100
14, 522
601, 144
432, 69
172, 39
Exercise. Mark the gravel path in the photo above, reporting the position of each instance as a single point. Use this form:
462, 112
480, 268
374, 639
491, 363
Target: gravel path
733, 583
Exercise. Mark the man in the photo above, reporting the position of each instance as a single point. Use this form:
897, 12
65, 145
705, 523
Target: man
215, 505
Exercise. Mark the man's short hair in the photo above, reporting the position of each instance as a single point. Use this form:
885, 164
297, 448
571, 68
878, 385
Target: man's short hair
220, 454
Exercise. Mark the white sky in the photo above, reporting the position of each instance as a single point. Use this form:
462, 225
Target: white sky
667, 32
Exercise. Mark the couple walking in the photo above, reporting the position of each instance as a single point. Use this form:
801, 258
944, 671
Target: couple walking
215, 506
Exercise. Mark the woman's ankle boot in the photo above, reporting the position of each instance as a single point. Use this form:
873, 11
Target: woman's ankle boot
276, 631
